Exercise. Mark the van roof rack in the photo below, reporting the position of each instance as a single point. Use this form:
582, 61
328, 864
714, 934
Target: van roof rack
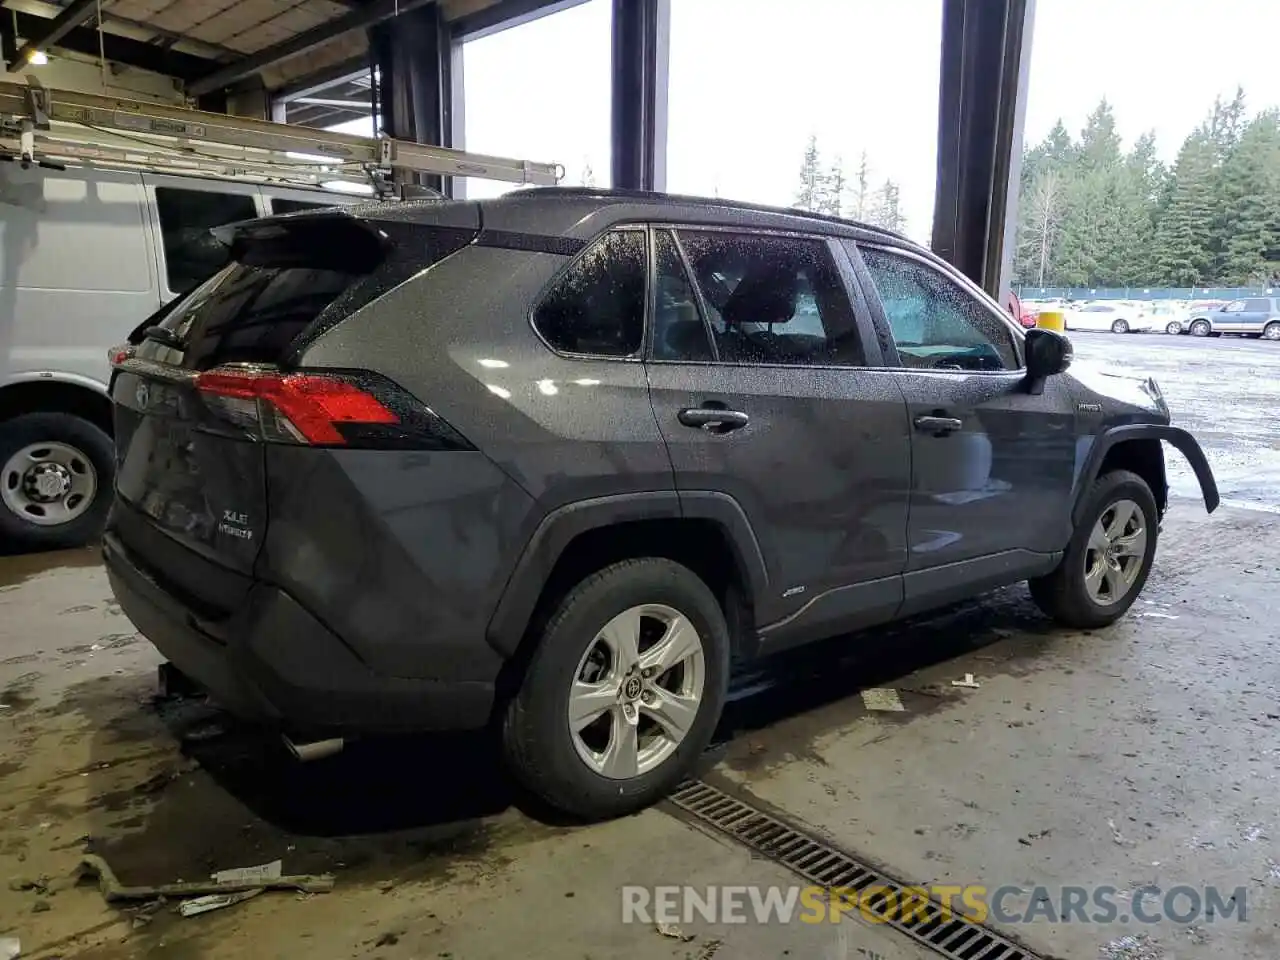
50, 128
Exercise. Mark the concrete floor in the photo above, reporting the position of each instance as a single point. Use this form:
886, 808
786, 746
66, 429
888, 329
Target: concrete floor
1146, 753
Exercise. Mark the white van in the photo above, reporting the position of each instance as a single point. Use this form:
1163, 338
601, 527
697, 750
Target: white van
85, 256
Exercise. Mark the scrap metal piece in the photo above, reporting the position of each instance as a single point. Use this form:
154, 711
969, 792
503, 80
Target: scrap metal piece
113, 891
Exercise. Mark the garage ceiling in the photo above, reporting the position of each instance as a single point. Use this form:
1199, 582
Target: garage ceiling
199, 41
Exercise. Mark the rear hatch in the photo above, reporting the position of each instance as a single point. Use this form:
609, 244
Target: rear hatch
206, 384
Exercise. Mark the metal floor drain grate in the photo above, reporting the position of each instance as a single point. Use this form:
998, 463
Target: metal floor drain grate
825, 866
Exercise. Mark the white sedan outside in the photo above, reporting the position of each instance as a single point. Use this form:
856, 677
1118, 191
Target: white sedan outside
1118, 317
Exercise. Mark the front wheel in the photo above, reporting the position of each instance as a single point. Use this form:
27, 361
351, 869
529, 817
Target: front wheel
1271, 331
1120, 326
1201, 328
1173, 328
1109, 557
623, 691
55, 480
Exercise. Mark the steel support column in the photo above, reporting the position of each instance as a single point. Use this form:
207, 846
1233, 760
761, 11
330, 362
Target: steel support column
641, 41
413, 88
982, 103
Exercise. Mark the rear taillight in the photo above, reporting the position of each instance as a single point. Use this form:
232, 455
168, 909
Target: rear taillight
353, 409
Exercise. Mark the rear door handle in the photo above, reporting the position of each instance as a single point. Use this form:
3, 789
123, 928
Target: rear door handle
938, 426
713, 419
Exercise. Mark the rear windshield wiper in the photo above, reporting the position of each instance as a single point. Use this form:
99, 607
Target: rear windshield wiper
163, 335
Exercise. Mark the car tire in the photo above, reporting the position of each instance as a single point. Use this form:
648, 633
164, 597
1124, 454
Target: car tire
1119, 326
562, 767
1200, 328
80, 454
1066, 594
1173, 328
1271, 331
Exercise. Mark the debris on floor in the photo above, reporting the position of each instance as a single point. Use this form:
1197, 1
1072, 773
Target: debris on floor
264, 871
968, 681
882, 698
709, 950
674, 932
192, 908
113, 891
1117, 837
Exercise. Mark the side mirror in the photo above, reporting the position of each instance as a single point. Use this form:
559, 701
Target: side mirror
1048, 353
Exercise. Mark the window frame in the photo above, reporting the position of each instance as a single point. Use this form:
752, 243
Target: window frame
862, 318
889, 346
639, 355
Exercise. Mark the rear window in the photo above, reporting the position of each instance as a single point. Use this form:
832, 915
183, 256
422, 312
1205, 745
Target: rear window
251, 314
192, 253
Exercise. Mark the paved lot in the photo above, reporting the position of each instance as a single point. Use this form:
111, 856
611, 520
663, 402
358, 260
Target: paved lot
1143, 754
1226, 390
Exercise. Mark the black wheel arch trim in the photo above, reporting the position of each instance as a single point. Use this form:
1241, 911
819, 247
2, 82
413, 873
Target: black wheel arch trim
1185, 443
558, 528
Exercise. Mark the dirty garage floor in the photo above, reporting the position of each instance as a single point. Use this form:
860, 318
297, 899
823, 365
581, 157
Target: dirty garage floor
1143, 754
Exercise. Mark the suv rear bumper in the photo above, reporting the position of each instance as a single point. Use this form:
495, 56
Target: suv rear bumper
271, 661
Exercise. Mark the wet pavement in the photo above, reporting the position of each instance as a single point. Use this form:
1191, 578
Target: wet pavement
1225, 390
1143, 754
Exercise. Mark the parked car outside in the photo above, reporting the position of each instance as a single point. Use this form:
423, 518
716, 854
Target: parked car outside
1253, 316
1172, 314
1118, 317
554, 460
1021, 312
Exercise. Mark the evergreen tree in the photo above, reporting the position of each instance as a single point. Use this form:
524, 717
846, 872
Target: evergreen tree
1180, 252
832, 199
862, 190
811, 180
1249, 194
886, 210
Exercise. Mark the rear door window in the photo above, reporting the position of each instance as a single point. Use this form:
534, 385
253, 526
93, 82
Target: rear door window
773, 299
191, 253
596, 307
1257, 306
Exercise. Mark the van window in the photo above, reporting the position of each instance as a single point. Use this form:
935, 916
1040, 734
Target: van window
284, 205
191, 253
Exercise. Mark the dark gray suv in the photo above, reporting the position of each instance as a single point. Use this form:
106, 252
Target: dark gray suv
551, 461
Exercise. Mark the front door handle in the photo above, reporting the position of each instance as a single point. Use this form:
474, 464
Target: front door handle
713, 419
938, 426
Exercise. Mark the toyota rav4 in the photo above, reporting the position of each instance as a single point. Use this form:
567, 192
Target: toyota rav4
552, 461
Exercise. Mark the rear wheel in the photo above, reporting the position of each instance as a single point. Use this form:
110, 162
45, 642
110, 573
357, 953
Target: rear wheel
1271, 331
623, 692
1173, 327
55, 480
1109, 557
1120, 326
1200, 328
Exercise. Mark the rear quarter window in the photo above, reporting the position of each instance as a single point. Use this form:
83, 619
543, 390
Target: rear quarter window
596, 307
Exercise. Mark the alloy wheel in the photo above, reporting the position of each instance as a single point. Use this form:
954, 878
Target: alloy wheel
637, 691
1200, 328
1115, 554
1271, 331
1120, 326
48, 483
1174, 327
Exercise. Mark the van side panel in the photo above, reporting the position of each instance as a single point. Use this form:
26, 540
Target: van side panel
77, 270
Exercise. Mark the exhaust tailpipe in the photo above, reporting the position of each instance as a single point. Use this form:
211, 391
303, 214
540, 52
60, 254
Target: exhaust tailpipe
315, 749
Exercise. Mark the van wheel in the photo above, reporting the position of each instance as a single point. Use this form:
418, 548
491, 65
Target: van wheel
56, 473
623, 691
1109, 557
